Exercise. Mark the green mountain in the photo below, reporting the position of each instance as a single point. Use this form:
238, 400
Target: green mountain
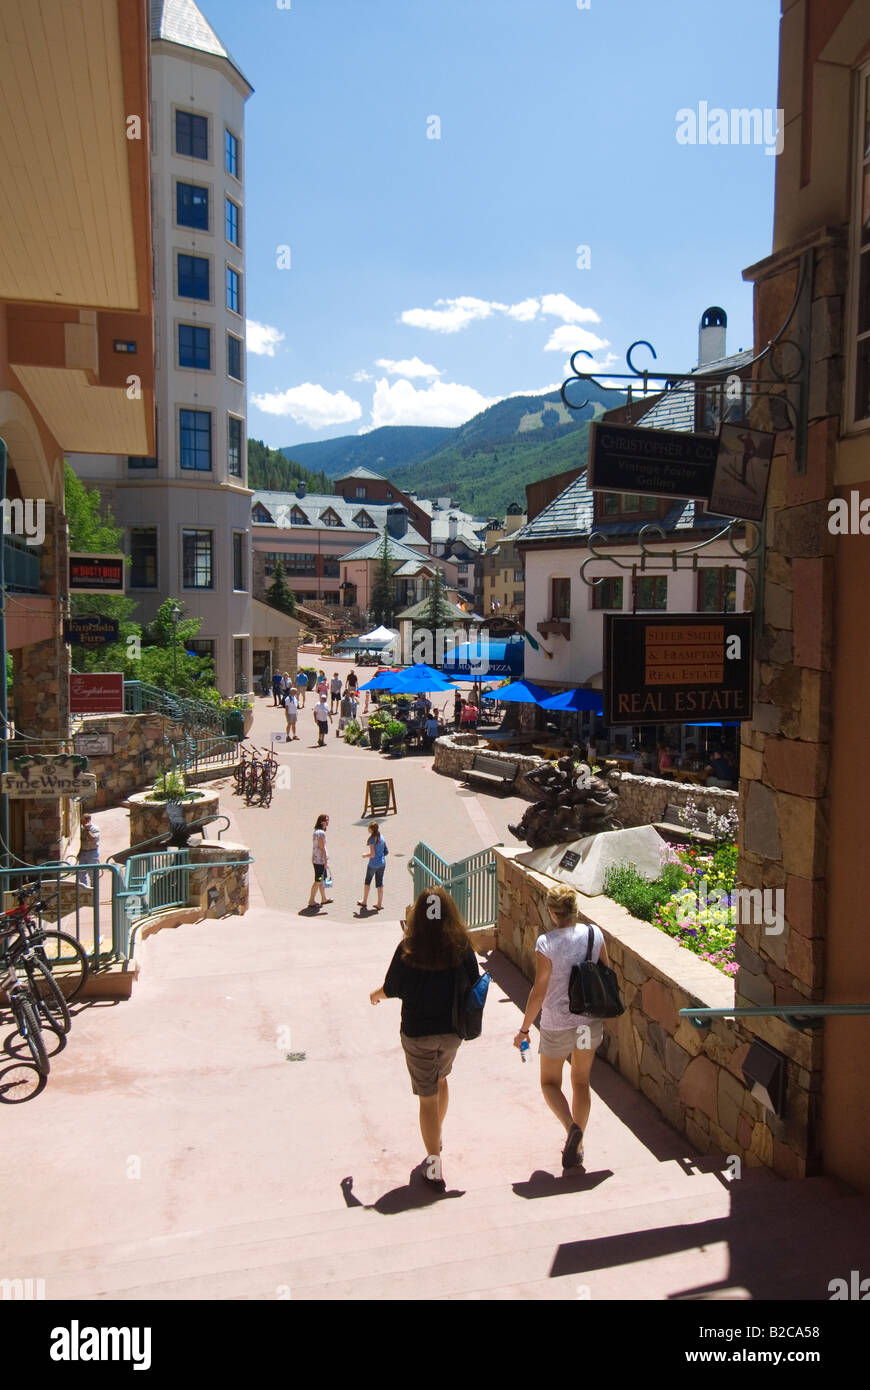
482, 465
269, 470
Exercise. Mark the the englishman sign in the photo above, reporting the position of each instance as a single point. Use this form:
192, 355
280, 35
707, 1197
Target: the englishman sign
677, 669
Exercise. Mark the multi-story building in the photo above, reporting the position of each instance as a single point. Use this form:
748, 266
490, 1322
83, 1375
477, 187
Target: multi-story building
501, 564
362, 485
185, 508
76, 337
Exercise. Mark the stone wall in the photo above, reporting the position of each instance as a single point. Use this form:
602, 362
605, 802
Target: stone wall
642, 800
148, 818
218, 890
141, 750
454, 754
693, 1077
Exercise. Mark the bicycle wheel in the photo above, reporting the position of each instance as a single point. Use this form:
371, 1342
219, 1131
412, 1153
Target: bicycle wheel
71, 961
266, 793
46, 992
28, 1028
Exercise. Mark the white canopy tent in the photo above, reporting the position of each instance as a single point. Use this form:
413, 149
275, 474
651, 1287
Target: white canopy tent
379, 634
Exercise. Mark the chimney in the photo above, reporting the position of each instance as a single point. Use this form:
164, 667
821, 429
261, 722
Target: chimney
301, 489
397, 522
711, 335
452, 528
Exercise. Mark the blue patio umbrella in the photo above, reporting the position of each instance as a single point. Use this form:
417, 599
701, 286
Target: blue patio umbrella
713, 724
384, 680
577, 700
523, 692
417, 679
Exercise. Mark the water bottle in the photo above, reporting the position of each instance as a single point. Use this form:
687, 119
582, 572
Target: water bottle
524, 1049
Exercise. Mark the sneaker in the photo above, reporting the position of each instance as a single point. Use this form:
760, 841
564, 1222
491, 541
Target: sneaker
572, 1147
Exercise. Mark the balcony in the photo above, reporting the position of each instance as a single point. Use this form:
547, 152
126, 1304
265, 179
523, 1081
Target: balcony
21, 563
555, 627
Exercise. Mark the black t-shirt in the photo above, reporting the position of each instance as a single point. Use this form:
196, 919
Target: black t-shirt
426, 995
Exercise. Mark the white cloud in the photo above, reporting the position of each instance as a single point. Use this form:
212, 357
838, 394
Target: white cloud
456, 314
310, 405
362, 376
261, 338
538, 390
442, 403
525, 311
561, 307
408, 366
569, 338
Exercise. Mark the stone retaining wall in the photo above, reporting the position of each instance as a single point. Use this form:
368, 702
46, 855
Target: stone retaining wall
148, 818
218, 890
454, 754
139, 754
692, 1077
642, 800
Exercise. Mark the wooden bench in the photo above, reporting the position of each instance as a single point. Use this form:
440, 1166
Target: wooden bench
673, 826
494, 771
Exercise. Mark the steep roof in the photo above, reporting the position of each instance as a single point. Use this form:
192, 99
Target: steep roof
281, 505
675, 410
362, 473
182, 22
396, 550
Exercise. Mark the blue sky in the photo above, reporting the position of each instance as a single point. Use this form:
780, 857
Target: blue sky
411, 255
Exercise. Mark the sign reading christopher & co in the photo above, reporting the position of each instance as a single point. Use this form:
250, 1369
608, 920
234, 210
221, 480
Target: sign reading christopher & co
96, 574
677, 669
651, 463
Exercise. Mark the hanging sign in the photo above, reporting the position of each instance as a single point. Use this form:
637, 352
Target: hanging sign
49, 775
651, 463
94, 745
742, 470
98, 692
96, 574
677, 669
90, 630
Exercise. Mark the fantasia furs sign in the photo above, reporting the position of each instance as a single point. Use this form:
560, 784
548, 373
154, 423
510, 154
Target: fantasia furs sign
677, 669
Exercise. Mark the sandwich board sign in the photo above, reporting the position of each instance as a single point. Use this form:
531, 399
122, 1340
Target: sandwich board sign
380, 798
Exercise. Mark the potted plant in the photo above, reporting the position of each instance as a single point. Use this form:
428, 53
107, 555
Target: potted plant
352, 731
377, 723
393, 738
171, 786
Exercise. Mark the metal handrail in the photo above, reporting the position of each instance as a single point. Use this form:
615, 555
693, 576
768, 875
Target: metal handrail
813, 1015
144, 891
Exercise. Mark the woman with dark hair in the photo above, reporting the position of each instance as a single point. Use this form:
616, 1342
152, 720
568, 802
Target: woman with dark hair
423, 974
376, 855
320, 860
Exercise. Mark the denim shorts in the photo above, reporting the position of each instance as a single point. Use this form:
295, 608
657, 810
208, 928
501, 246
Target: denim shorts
376, 873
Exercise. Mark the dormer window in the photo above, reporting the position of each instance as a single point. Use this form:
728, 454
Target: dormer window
364, 521
298, 517
361, 492
331, 518
260, 514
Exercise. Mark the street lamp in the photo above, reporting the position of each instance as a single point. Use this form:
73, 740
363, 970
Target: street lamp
175, 615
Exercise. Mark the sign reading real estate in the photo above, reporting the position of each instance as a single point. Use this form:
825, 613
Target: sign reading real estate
90, 630
677, 669
49, 775
96, 574
652, 463
98, 692
742, 469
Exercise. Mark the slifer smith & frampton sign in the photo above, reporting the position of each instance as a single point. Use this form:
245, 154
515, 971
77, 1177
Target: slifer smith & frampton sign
677, 669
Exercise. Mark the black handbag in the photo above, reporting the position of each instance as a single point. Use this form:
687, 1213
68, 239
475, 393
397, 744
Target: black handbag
593, 988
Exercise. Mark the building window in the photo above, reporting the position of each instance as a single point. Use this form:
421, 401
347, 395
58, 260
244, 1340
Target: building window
389, 495
331, 518
360, 492
331, 569
234, 447
331, 597
194, 346
607, 594
143, 554
239, 663
232, 222
191, 135
197, 559
652, 592
717, 590
627, 504
260, 514
192, 277
298, 517
134, 462
861, 265
560, 598
300, 562
234, 290
234, 357
231, 154
191, 208
364, 521
196, 440
239, 577
202, 647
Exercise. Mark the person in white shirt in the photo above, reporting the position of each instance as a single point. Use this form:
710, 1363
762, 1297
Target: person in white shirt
291, 711
323, 719
564, 1034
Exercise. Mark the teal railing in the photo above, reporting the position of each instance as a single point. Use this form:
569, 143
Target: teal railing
21, 563
203, 754
142, 698
800, 1016
471, 882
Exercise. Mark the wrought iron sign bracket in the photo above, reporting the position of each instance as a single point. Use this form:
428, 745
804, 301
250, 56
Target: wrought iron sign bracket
674, 559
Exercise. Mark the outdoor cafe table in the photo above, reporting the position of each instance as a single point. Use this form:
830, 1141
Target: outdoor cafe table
684, 775
551, 750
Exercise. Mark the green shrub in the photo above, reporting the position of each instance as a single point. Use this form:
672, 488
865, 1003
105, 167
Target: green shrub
364, 740
171, 786
639, 896
352, 731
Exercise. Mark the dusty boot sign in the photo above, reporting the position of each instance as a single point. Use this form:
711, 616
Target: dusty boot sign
49, 775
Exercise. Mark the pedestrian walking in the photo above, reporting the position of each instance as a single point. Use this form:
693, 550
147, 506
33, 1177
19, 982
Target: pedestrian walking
89, 849
277, 682
286, 683
346, 711
323, 719
458, 702
468, 718
376, 853
320, 861
351, 688
322, 683
423, 974
291, 712
301, 687
564, 1034
335, 691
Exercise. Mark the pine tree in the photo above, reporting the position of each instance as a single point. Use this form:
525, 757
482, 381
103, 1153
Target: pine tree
279, 594
382, 605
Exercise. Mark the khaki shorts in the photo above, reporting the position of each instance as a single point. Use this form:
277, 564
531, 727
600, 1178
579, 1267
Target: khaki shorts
561, 1042
429, 1059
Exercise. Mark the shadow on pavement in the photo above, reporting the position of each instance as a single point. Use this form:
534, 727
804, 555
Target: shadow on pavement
410, 1195
543, 1184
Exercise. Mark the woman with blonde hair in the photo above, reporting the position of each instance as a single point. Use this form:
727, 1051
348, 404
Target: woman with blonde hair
564, 1034
423, 974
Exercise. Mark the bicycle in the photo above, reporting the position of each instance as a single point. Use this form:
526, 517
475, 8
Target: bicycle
33, 973
241, 773
69, 952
